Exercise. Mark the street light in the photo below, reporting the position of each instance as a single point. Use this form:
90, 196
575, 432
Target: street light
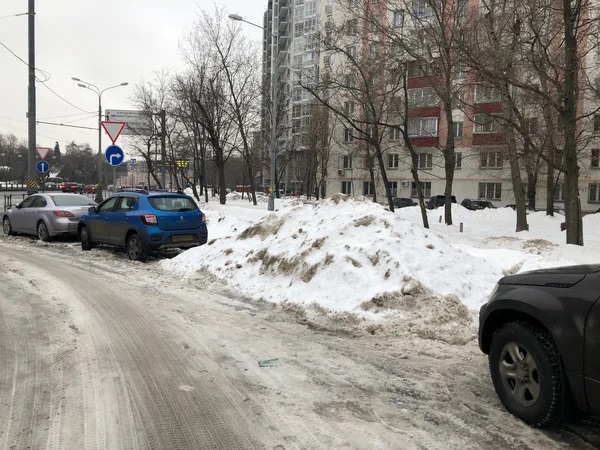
274, 89
96, 89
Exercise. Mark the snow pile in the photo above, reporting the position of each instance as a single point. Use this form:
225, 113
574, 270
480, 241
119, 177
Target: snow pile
341, 254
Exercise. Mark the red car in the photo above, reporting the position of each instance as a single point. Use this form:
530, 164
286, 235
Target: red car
70, 186
90, 188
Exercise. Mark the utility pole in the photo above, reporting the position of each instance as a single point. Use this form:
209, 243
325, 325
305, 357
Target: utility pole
32, 140
163, 147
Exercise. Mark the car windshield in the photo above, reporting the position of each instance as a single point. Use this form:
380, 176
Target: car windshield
178, 204
71, 200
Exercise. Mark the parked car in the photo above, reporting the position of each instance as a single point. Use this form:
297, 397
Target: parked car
90, 188
70, 186
46, 215
143, 222
438, 200
476, 204
541, 331
402, 202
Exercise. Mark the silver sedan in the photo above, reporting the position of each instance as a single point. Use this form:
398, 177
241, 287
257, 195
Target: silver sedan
46, 215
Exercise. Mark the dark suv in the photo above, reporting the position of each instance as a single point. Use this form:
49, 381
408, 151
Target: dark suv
143, 222
541, 332
438, 200
475, 205
403, 202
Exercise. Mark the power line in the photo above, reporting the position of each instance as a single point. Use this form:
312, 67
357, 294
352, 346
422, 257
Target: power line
47, 76
14, 15
66, 115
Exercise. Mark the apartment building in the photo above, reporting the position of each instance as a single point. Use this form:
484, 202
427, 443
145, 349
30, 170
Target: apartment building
481, 167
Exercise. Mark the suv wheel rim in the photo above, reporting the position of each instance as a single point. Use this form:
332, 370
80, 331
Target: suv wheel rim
519, 373
6, 226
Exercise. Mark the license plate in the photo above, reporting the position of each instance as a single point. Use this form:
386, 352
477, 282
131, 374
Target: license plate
182, 238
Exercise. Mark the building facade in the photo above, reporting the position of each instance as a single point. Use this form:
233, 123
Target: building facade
482, 167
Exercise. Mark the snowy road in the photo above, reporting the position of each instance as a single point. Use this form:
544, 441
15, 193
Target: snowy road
98, 352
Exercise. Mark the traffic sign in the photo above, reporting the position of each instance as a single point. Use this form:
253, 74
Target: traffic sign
42, 166
113, 129
43, 152
133, 162
114, 155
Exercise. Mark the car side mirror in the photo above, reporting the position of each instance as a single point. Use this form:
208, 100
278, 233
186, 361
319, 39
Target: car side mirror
92, 209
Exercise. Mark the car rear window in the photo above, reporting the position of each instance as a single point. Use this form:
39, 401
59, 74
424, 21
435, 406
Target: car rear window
177, 204
71, 200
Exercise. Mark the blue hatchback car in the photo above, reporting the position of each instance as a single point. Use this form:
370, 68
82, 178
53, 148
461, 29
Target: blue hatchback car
143, 222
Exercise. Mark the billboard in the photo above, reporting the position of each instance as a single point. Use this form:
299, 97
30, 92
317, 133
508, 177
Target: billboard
136, 122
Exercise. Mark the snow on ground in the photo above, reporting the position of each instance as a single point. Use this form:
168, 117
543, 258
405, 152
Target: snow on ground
345, 255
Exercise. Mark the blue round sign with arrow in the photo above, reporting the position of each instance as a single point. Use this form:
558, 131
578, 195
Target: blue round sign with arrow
42, 166
114, 155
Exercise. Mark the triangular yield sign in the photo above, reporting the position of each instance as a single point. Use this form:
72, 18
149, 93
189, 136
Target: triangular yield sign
113, 129
42, 152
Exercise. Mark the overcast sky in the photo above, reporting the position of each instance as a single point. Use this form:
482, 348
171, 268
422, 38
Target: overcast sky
104, 43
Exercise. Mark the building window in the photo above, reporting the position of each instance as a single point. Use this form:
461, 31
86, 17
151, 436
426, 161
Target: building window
425, 161
398, 19
296, 111
375, 24
559, 192
491, 191
299, 30
458, 129
423, 126
351, 53
415, 69
393, 188
395, 134
347, 187
352, 26
486, 94
368, 188
491, 160
425, 187
597, 122
422, 97
310, 9
460, 70
485, 123
458, 160
393, 160
348, 137
296, 126
594, 190
374, 49
595, 158
421, 9
348, 107
346, 162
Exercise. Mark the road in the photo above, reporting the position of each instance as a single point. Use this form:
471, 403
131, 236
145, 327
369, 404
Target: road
99, 352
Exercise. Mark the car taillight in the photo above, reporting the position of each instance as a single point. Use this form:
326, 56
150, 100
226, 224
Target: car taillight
203, 217
63, 214
149, 219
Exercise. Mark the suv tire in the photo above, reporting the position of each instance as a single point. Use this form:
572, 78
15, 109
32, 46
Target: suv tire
527, 373
136, 249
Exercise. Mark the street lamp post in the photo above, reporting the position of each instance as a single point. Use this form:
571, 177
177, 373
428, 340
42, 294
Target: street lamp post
274, 93
98, 92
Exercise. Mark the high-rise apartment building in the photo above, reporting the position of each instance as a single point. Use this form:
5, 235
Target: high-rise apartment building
482, 165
